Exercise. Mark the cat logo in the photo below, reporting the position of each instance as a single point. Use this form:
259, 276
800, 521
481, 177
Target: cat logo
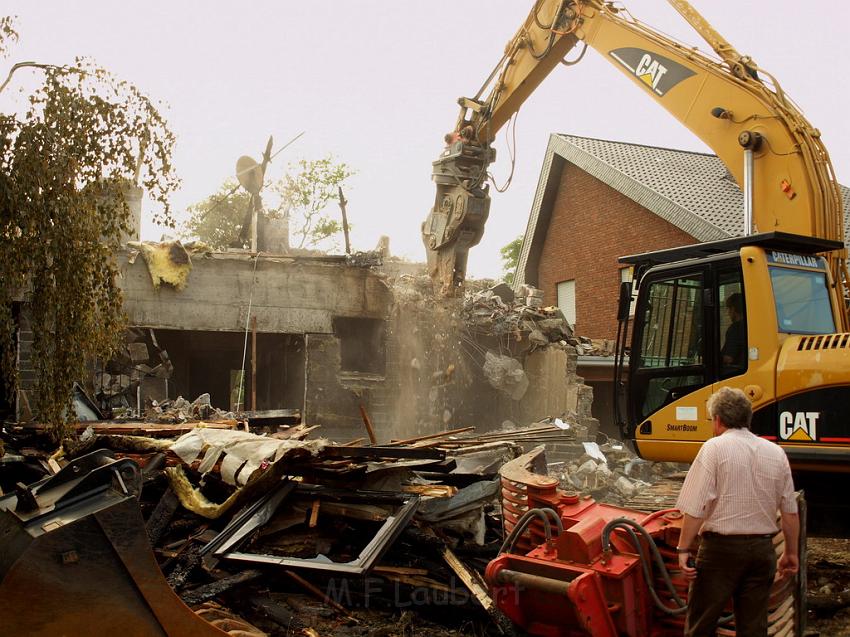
657, 72
650, 71
799, 426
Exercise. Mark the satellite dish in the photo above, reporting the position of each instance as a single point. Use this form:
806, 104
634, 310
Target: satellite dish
249, 174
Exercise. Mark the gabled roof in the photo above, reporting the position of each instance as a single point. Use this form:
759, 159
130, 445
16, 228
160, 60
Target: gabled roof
692, 191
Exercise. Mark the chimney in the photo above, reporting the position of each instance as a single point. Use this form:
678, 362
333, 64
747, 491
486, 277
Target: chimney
133, 197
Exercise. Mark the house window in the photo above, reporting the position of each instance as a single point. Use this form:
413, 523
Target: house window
627, 276
362, 344
567, 300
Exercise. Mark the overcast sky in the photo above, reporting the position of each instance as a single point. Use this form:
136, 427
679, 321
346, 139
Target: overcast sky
375, 83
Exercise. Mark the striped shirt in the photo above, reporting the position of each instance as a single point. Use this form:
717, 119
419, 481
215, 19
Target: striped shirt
737, 484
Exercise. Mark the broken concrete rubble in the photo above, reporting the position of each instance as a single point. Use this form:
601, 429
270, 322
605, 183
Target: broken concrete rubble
609, 472
135, 377
505, 374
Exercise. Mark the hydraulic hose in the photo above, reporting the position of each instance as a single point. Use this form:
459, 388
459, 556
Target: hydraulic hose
525, 520
630, 526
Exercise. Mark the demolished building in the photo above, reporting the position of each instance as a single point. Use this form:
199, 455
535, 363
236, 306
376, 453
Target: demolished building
325, 339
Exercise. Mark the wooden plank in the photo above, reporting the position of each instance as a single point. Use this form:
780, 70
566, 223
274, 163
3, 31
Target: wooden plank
319, 594
469, 580
441, 434
473, 581
400, 570
314, 513
254, 363
151, 429
433, 490
369, 429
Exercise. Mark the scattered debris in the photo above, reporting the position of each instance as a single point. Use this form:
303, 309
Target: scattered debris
506, 374
495, 313
361, 530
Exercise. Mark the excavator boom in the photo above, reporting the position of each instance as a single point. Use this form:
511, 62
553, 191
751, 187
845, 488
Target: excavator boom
773, 152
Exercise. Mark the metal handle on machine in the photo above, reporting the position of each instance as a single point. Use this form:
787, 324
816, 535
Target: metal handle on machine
532, 582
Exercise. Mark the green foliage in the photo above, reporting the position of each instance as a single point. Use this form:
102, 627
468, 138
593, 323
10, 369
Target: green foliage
306, 195
65, 163
8, 34
306, 190
510, 258
218, 219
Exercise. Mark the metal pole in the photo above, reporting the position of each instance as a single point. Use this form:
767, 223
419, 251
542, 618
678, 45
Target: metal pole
748, 191
342, 202
254, 363
254, 216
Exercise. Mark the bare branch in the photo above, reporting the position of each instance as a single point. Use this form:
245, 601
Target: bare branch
21, 65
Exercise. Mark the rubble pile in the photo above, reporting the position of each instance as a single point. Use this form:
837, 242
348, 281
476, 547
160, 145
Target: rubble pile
287, 535
181, 410
138, 372
608, 472
498, 312
595, 346
611, 473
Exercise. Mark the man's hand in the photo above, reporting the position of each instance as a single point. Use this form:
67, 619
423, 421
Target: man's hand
688, 571
789, 563
786, 567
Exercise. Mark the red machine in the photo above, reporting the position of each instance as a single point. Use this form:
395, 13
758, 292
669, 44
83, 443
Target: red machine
571, 566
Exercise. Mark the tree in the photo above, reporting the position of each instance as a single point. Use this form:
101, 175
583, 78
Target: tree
306, 190
218, 219
510, 259
65, 163
303, 196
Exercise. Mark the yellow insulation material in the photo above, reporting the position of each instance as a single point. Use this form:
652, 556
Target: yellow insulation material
167, 263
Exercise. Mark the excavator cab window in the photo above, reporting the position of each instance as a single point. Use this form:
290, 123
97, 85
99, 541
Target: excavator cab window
671, 354
731, 321
802, 301
690, 331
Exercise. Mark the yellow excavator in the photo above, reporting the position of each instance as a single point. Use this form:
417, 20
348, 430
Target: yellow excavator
765, 312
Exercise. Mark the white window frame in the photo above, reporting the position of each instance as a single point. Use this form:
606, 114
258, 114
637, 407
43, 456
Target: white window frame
627, 276
566, 292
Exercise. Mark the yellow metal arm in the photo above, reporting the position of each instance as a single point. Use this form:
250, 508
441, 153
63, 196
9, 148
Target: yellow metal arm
727, 103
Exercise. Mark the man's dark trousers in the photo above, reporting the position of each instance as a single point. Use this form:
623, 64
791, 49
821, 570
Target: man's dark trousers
740, 567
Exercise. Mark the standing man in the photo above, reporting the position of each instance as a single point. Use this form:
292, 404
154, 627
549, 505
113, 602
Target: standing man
733, 490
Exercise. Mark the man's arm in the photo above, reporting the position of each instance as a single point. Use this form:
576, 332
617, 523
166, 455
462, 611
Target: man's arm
790, 561
690, 529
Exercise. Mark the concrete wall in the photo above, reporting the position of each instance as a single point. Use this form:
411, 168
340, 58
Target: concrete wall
288, 296
291, 296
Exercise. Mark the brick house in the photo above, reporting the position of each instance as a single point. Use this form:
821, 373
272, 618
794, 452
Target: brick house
598, 200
